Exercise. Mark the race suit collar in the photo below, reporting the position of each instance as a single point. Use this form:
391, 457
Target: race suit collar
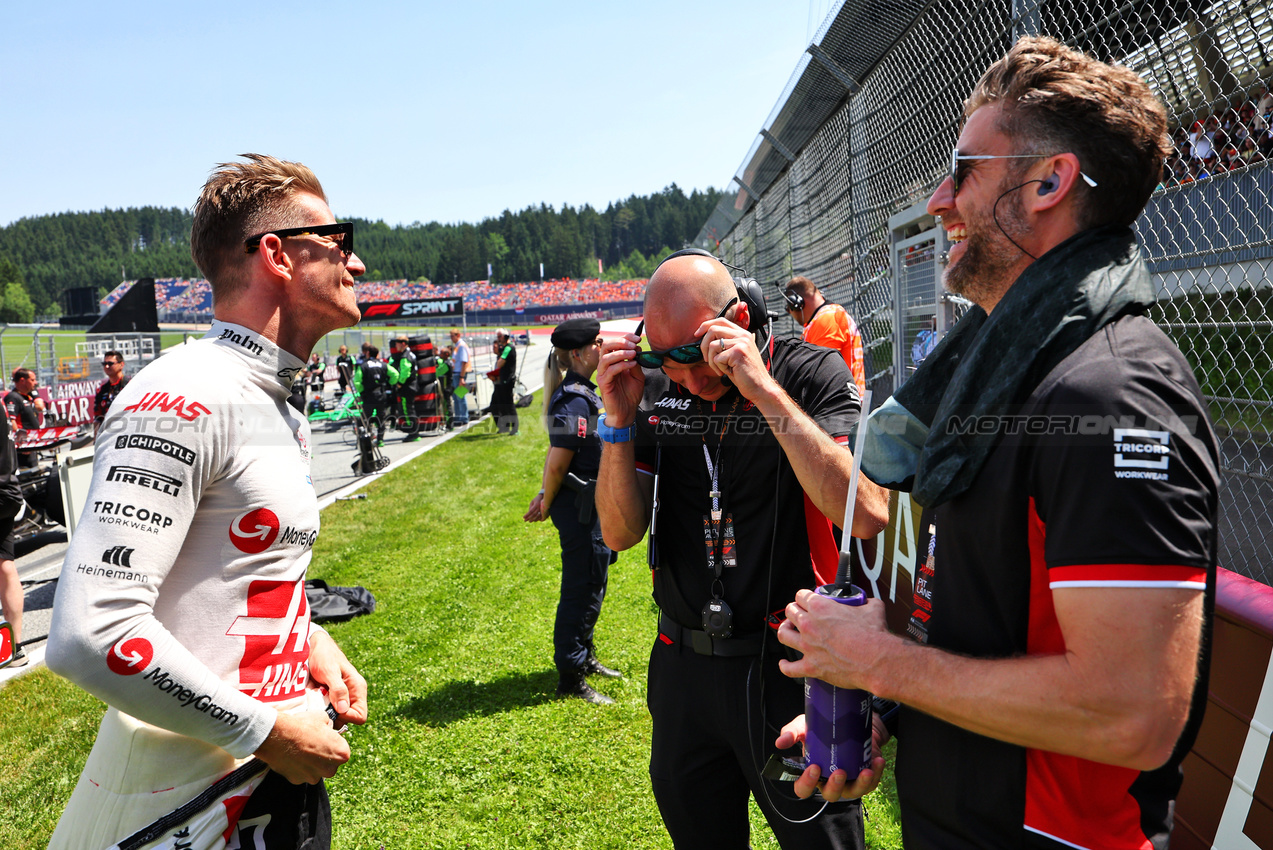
279, 366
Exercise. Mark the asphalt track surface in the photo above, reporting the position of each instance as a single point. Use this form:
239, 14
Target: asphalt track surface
334, 451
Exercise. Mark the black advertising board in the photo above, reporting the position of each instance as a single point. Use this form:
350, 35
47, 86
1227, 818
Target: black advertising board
436, 308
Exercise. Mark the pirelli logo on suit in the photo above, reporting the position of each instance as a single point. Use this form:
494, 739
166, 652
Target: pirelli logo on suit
149, 479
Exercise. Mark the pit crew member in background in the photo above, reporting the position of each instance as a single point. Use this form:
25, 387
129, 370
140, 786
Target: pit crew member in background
461, 361
343, 362
405, 387
11, 504
827, 324
315, 369
25, 409
373, 382
1054, 670
113, 366
504, 375
745, 445
443, 364
182, 601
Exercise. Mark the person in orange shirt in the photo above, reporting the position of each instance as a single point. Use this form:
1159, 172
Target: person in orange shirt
826, 324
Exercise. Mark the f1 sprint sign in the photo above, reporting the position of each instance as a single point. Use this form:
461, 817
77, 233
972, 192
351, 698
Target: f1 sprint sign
427, 307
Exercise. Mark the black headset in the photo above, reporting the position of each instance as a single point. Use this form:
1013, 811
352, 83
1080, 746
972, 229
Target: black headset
795, 301
749, 292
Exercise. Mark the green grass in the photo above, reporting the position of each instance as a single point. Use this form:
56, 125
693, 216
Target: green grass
18, 348
466, 745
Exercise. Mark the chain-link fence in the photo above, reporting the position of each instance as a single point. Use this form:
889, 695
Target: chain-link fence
834, 186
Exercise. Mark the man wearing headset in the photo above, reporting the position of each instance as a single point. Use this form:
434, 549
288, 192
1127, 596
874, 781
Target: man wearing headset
1053, 674
732, 455
826, 324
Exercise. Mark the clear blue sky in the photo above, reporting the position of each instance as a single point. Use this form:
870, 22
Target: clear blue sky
407, 111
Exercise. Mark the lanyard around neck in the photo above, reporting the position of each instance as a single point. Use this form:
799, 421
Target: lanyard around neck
713, 474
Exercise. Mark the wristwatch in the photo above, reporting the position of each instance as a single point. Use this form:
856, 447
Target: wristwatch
615, 435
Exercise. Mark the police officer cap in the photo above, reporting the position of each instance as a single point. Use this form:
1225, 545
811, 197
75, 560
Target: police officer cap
575, 333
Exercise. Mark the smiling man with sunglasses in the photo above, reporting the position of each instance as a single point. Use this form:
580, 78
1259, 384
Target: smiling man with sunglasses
1053, 671
728, 446
185, 610
113, 366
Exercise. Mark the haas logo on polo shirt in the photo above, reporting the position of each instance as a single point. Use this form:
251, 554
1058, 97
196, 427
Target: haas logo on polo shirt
130, 656
275, 632
255, 531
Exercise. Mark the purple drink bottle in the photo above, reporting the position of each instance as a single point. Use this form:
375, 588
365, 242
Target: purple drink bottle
838, 720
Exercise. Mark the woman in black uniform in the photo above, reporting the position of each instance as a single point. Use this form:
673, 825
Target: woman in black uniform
569, 482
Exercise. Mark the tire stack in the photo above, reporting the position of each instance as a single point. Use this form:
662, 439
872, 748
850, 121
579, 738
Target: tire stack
429, 394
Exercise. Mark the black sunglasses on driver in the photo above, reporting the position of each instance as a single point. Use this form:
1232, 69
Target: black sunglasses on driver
342, 233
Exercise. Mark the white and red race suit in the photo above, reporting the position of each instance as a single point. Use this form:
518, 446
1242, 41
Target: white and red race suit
181, 603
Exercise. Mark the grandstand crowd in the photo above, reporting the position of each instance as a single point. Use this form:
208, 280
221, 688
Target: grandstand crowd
1233, 138
177, 296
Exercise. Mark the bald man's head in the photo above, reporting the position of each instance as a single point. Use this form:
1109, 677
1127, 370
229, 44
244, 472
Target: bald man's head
683, 293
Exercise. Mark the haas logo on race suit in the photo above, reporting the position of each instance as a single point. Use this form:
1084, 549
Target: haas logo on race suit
130, 656
275, 663
187, 410
255, 531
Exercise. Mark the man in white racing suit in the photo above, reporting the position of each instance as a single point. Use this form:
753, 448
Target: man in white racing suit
181, 602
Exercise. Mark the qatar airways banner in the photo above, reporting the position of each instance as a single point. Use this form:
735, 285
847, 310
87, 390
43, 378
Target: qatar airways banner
71, 402
425, 308
559, 317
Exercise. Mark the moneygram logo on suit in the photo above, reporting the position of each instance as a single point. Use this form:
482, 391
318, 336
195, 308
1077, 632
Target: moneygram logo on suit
257, 530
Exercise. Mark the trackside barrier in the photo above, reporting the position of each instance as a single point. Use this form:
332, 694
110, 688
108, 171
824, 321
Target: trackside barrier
1227, 797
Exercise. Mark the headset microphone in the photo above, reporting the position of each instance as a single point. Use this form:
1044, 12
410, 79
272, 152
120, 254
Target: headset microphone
795, 301
1050, 185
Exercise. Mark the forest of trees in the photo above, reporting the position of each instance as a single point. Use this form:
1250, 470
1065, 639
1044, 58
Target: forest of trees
48, 254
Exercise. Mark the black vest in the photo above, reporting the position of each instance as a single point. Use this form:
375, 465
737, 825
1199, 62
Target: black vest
375, 378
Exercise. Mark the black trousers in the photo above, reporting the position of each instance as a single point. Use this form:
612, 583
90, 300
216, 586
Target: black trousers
712, 738
404, 413
502, 407
585, 567
283, 816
